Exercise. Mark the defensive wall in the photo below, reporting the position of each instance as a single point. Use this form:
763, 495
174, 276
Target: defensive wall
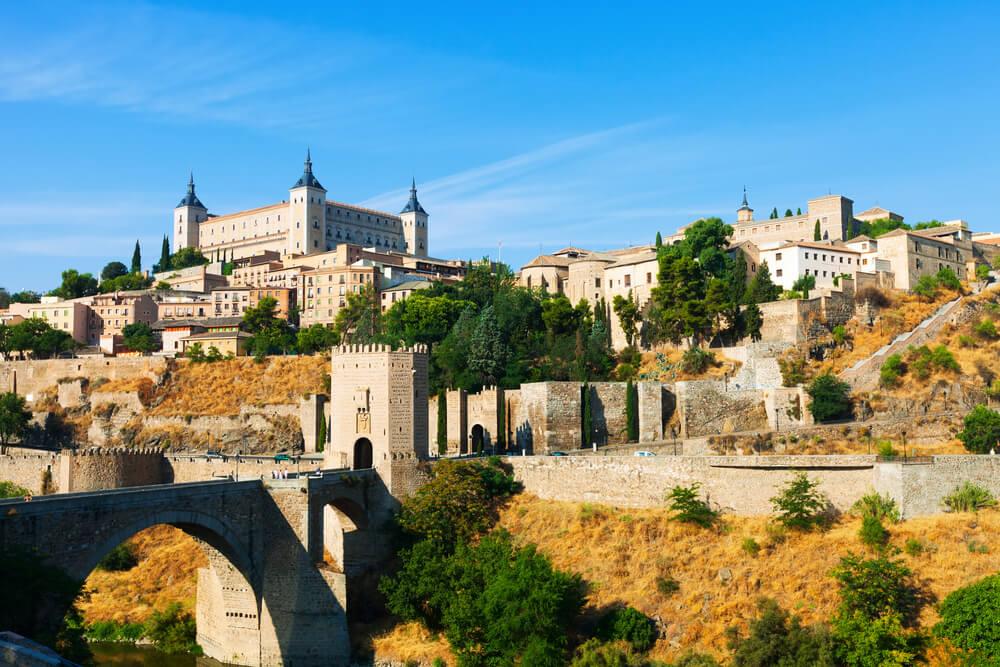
744, 484
28, 378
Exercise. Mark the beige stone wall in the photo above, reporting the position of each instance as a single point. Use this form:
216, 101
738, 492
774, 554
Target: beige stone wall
484, 411
28, 378
607, 408
710, 407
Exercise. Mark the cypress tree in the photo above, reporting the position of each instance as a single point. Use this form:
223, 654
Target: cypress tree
164, 264
136, 258
774, 213
788, 212
501, 422
588, 419
798, 211
632, 411
321, 436
659, 240
817, 232
442, 434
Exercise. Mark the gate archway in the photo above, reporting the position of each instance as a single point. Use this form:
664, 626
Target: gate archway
363, 457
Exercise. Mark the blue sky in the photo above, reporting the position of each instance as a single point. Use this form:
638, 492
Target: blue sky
535, 124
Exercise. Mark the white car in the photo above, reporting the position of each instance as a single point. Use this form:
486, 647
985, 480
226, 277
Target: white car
643, 452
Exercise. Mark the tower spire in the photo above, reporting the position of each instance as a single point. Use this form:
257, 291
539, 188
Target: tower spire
413, 205
307, 179
745, 196
190, 199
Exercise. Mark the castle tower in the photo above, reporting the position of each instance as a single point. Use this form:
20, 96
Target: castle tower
307, 213
187, 216
414, 219
744, 213
378, 410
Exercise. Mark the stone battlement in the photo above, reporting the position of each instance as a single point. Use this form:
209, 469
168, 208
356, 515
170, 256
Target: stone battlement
373, 348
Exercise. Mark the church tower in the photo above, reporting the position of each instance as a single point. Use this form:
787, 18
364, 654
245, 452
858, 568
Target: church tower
414, 219
307, 213
187, 216
744, 213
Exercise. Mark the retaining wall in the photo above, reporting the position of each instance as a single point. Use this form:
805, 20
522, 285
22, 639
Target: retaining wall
27, 378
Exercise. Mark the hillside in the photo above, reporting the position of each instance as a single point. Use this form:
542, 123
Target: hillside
626, 556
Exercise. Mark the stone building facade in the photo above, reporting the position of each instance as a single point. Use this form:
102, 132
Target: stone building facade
307, 223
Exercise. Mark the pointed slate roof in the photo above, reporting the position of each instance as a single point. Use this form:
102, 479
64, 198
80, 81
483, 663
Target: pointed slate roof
307, 180
745, 206
413, 205
191, 199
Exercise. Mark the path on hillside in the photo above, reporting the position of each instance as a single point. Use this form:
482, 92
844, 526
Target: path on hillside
864, 374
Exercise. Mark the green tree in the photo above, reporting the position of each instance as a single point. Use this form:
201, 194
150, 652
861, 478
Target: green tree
774, 213
172, 630
947, 279
817, 232
926, 287
137, 258
113, 270
659, 240
75, 285
164, 263
139, 337
487, 350
316, 338
11, 490
982, 430
127, 282
777, 638
788, 212
586, 416
4, 298
798, 211
442, 422
970, 620
14, 419
830, 398
762, 289
891, 371
186, 258
803, 284
629, 625
982, 272
25, 296
632, 411
629, 316
360, 320
689, 507
800, 504
423, 318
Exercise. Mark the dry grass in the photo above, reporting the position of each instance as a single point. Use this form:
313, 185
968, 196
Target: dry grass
651, 367
142, 386
167, 572
221, 388
409, 643
905, 311
622, 553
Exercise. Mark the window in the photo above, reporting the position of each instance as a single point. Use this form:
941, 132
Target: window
778, 273
649, 278
777, 257
628, 280
597, 282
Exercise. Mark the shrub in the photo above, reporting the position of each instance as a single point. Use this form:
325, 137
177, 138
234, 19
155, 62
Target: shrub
172, 630
696, 360
947, 279
799, 504
872, 533
874, 504
966, 341
876, 642
875, 587
776, 638
794, 369
750, 546
689, 507
629, 625
913, 547
119, 559
891, 371
12, 490
986, 329
595, 653
692, 659
831, 398
977, 547
969, 498
839, 334
667, 585
982, 430
970, 619
944, 360
926, 287
886, 450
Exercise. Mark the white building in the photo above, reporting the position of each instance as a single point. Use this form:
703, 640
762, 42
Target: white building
788, 262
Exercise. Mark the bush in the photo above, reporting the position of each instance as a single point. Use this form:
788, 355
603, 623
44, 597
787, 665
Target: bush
913, 547
873, 504
776, 638
969, 498
595, 653
876, 642
696, 361
794, 369
667, 585
947, 279
839, 334
119, 559
926, 287
986, 329
799, 504
831, 398
172, 630
891, 371
750, 546
982, 430
875, 587
923, 361
872, 533
886, 449
970, 619
628, 625
12, 490
966, 341
692, 659
690, 508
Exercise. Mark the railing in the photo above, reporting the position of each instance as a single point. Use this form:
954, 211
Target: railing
905, 459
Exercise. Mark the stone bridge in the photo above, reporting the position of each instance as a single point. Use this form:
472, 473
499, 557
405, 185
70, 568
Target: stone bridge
268, 596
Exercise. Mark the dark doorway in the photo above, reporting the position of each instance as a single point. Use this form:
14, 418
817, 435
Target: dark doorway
477, 439
362, 454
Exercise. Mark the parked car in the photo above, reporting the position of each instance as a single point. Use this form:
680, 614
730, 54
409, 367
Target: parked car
278, 458
643, 452
213, 454
558, 454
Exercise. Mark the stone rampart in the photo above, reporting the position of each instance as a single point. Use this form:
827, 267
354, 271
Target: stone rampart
28, 378
99, 469
27, 468
711, 407
608, 414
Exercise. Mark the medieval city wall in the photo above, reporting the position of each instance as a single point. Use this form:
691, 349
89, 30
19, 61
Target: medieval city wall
711, 407
28, 378
27, 467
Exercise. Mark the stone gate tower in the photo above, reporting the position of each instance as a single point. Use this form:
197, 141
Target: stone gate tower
378, 400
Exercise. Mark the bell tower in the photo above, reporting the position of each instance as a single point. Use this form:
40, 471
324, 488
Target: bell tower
744, 213
414, 219
307, 209
187, 216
